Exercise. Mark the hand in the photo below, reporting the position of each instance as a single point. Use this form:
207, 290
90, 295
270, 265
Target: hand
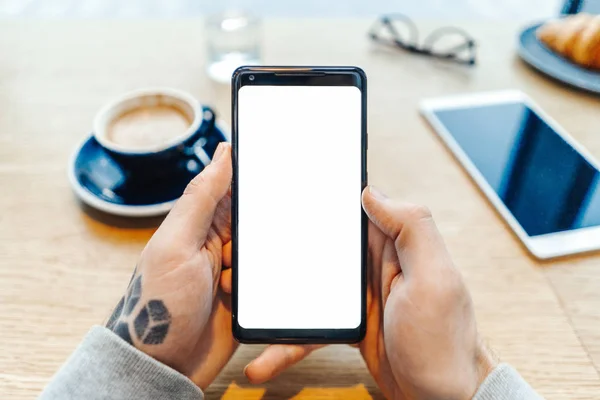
174, 309
422, 340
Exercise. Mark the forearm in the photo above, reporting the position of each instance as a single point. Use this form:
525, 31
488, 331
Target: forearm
104, 366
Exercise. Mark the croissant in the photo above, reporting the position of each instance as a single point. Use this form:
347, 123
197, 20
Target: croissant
576, 37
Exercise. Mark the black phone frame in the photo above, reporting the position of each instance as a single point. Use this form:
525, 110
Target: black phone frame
298, 76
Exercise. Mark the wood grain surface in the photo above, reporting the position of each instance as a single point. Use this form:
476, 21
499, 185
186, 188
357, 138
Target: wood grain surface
63, 267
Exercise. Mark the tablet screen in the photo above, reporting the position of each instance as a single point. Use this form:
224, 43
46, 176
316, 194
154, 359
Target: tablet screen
544, 182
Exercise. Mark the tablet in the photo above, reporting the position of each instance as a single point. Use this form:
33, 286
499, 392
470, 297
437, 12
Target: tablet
542, 182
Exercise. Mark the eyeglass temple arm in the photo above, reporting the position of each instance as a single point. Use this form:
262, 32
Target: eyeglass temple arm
412, 27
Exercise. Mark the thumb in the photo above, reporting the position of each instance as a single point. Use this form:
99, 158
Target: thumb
193, 213
275, 359
417, 240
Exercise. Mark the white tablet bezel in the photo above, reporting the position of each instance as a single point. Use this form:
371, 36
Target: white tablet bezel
542, 246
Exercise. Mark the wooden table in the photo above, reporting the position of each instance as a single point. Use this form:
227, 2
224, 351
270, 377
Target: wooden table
62, 269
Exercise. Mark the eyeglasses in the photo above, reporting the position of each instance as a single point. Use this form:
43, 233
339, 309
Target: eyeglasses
448, 43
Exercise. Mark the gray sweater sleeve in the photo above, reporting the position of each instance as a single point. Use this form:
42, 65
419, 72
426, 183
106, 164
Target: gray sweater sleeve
505, 383
106, 367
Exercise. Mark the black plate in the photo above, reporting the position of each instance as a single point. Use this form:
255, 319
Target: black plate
536, 54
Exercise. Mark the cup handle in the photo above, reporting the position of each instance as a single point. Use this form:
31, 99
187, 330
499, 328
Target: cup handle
199, 152
209, 118
197, 148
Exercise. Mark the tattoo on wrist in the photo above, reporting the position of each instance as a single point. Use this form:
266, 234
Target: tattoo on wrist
134, 292
112, 321
151, 324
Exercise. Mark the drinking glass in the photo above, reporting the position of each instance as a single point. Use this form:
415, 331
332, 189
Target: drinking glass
233, 40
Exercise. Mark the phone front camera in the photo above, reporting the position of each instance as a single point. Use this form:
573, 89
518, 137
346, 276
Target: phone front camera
251, 77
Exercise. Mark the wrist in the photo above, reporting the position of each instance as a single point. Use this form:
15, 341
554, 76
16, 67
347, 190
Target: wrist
486, 361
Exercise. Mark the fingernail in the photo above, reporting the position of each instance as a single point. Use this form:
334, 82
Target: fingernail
218, 152
377, 193
245, 372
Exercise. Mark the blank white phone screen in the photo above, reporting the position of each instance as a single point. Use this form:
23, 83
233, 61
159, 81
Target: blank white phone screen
299, 207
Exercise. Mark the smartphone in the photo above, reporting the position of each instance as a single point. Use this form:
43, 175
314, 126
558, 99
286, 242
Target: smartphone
542, 182
299, 233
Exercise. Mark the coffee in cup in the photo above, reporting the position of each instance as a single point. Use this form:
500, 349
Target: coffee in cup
148, 126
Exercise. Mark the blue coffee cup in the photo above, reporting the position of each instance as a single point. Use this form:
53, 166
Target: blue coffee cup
186, 145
